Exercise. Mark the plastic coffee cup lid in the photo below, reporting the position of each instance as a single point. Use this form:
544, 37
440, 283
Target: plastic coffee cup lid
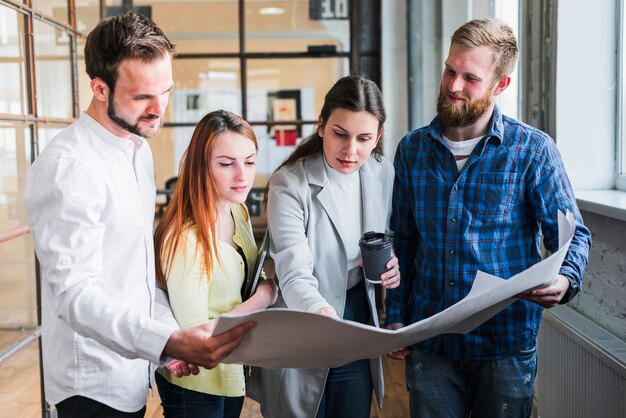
375, 240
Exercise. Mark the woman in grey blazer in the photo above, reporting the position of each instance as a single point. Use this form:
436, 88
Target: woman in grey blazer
333, 188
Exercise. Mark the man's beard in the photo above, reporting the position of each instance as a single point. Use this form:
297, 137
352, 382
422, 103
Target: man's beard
459, 116
125, 124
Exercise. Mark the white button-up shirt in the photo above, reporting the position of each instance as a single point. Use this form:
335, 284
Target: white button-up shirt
90, 197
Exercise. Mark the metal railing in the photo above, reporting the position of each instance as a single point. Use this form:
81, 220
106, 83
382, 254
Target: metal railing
14, 233
15, 348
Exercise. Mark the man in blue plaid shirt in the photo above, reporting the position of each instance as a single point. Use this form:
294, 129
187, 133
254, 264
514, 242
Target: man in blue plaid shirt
476, 190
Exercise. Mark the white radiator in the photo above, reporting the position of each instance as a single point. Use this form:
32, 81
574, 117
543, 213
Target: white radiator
582, 369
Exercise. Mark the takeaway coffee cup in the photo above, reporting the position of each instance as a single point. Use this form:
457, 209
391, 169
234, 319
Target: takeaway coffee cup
376, 252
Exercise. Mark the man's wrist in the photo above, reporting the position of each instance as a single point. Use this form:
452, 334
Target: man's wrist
571, 292
171, 346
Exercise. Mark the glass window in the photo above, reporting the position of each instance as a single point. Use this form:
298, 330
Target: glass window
84, 88
286, 90
53, 74
56, 9
277, 89
168, 148
13, 98
17, 300
276, 143
91, 19
286, 26
312, 77
196, 26
87, 16
46, 133
14, 162
203, 85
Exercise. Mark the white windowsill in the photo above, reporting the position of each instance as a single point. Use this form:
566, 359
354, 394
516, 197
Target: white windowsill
610, 203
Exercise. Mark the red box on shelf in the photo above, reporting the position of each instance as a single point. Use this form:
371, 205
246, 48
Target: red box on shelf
286, 138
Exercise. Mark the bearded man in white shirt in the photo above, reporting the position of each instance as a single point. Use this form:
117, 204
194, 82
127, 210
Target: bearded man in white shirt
90, 197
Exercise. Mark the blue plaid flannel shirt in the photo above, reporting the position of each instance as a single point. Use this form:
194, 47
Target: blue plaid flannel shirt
488, 217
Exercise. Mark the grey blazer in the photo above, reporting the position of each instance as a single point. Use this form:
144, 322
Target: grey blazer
311, 267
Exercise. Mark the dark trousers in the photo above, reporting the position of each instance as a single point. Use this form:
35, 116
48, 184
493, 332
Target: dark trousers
348, 391
81, 407
179, 402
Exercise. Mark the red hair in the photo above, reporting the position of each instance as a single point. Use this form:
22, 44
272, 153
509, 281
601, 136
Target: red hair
194, 202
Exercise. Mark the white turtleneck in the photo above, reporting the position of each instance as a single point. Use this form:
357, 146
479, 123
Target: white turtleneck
346, 192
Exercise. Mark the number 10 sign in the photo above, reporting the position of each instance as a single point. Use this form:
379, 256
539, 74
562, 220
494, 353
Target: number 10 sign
329, 9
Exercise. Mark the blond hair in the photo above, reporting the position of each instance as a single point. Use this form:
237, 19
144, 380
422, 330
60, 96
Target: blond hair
494, 34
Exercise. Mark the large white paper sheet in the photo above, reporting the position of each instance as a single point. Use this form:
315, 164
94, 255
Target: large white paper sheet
287, 338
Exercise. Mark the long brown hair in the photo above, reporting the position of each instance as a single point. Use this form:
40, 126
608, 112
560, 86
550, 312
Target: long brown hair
354, 93
194, 202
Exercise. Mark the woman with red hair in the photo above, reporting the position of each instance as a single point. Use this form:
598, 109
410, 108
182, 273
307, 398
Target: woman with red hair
204, 249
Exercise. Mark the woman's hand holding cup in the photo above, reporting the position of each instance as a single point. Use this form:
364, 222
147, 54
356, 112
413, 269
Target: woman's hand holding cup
391, 278
379, 263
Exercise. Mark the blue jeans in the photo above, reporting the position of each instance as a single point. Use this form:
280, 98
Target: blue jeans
489, 389
348, 390
179, 402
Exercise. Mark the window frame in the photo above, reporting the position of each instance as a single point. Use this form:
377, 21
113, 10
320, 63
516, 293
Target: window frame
31, 118
620, 108
362, 57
